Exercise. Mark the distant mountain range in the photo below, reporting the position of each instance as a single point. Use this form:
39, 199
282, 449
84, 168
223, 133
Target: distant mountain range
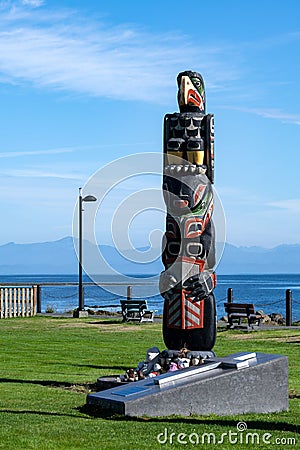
59, 257
284, 258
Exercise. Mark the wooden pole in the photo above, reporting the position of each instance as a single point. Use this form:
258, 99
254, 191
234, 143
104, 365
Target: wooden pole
38, 298
36, 302
288, 307
229, 295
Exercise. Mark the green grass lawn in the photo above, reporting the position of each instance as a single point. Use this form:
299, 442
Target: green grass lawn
49, 364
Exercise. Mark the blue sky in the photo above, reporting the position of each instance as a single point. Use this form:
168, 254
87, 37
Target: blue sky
84, 83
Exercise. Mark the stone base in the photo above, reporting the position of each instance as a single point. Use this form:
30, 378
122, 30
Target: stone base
79, 314
237, 384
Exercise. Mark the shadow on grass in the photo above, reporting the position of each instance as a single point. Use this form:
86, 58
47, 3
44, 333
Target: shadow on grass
54, 384
260, 424
121, 322
222, 329
92, 366
107, 322
42, 413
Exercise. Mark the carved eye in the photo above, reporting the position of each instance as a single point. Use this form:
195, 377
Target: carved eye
174, 248
194, 227
171, 229
194, 249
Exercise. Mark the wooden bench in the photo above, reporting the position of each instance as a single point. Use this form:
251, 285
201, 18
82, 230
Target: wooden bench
136, 310
238, 311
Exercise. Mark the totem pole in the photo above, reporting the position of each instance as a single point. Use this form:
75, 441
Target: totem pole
188, 255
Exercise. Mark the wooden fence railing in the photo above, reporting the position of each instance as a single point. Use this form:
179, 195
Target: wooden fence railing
18, 301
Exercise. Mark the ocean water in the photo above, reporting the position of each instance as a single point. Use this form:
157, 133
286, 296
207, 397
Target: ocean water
267, 292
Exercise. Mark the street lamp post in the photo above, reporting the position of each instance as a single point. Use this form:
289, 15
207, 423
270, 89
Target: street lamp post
88, 198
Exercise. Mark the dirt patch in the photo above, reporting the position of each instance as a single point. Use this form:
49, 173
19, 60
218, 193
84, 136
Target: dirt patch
250, 336
80, 388
294, 394
106, 327
243, 337
293, 339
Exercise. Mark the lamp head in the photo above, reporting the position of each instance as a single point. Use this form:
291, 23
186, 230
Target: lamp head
89, 198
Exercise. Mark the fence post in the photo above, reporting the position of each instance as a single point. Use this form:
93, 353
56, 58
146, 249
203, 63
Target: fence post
14, 294
32, 302
19, 302
10, 314
129, 292
1, 303
27, 302
23, 302
229, 295
288, 306
38, 298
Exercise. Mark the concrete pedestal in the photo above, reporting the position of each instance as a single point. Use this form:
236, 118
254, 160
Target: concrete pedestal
237, 384
79, 314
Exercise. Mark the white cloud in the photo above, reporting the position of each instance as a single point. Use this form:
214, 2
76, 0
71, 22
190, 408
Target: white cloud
272, 113
34, 3
38, 152
291, 205
68, 52
237, 196
40, 173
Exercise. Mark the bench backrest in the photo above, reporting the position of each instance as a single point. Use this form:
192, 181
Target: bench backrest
133, 304
247, 308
